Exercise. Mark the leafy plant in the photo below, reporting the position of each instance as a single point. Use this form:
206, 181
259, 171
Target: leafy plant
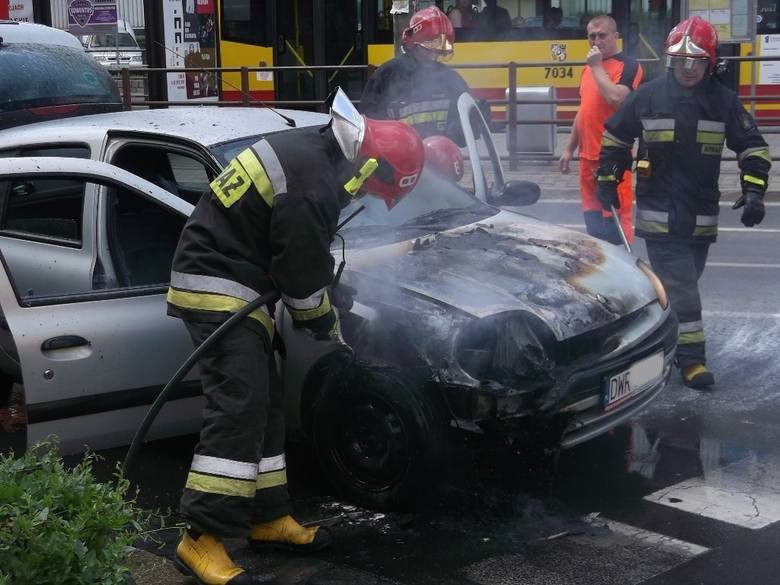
61, 526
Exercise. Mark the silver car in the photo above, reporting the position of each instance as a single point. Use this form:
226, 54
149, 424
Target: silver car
465, 317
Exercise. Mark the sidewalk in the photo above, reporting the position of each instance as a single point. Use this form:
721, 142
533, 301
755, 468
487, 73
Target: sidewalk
547, 175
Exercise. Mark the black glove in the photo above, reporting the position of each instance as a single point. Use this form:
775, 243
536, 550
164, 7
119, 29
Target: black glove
752, 202
608, 195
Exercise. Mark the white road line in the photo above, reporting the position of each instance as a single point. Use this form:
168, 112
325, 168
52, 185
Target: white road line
655, 539
741, 315
577, 201
745, 493
741, 265
581, 226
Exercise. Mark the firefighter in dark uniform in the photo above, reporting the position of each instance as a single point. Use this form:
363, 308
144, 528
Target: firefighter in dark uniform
415, 87
267, 224
682, 120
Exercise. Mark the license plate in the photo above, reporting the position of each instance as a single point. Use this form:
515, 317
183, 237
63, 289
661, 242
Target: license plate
630, 382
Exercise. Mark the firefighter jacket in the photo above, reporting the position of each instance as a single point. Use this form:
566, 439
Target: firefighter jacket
423, 96
681, 134
266, 224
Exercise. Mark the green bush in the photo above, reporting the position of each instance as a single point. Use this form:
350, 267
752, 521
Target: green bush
61, 526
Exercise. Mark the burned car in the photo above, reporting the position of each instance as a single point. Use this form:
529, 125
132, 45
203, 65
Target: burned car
463, 315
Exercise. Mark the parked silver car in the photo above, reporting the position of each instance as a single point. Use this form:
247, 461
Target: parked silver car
464, 316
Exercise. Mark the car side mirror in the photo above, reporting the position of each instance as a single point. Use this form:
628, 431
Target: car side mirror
517, 194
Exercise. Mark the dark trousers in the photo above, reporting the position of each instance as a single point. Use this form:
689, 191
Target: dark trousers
679, 266
238, 473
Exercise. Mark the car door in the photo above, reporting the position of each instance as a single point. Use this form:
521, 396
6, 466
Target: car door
93, 354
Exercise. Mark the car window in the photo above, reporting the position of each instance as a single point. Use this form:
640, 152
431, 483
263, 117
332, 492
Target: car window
43, 209
142, 237
176, 171
109, 40
70, 151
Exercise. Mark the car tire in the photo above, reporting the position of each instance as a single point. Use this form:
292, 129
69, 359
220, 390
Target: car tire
380, 438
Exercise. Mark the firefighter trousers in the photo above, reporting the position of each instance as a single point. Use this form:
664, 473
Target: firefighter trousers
238, 474
679, 266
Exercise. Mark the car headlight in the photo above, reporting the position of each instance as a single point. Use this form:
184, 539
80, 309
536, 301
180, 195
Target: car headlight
660, 291
511, 349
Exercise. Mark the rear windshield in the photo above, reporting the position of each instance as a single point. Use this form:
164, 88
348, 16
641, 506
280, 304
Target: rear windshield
47, 75
109, 40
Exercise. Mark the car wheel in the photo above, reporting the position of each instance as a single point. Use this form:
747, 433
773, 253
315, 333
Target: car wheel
380, 438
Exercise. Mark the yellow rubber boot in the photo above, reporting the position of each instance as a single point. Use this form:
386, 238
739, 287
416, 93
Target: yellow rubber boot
206, 560
286, 533
697, 376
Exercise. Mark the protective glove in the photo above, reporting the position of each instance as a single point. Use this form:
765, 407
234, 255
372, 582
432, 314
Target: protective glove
607, 194
752, 202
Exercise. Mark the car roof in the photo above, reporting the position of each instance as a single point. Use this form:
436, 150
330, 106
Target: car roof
29, 32
206, 125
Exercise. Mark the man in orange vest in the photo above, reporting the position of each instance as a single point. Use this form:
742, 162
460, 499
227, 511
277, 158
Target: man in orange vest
606, 81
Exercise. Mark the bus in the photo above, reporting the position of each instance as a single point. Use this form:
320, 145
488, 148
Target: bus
258, 33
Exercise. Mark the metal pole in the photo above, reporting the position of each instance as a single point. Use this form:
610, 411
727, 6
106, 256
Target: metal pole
511, 137
619, 226
127, 98
245, 86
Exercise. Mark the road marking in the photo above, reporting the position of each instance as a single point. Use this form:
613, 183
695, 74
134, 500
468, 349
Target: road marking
577, 201
745, 493
741, 315
581, 226
655, 539
741, 265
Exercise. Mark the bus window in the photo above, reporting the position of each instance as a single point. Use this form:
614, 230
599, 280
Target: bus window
244, 21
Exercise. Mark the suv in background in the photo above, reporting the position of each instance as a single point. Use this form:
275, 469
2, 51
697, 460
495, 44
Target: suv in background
103, 47
47, 74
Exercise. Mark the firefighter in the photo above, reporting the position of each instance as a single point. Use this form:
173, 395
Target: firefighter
267, 223
683, 119
415, 87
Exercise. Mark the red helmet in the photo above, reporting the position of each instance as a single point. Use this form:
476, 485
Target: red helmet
432, 30
398, 149
693, 38
444, 156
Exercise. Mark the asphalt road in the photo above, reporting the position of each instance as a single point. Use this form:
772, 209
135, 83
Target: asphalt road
688, 493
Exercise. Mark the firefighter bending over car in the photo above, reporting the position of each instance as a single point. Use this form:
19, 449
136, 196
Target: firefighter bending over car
415, 87
683, 119
267, 224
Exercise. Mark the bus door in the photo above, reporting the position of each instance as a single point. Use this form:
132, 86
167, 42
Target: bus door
318, 32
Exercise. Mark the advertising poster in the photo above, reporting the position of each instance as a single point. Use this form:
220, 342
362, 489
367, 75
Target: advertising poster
87, 17
769, 71
21, 10
190, 41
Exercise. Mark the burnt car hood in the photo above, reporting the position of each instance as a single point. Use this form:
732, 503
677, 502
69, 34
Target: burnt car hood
511, 262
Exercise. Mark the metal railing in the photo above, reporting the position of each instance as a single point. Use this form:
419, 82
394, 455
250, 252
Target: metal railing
513, 69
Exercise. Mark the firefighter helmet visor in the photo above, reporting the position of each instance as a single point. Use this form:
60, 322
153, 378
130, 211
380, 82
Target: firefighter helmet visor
689, 63
349, 126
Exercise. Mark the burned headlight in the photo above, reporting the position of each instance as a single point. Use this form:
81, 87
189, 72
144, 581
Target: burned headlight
513, 349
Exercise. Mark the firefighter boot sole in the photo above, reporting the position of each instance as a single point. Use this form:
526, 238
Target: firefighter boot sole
701, 381
242, 579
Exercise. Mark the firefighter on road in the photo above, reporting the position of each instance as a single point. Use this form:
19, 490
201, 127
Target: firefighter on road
682, 120
415, 87
267, 224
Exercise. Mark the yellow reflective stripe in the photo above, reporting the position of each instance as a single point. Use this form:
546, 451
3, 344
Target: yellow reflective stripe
710, 137
215, 302
757, 152
258, 175
754, 180
611, 142
692, 337
309, 314
231, 184
653, 227
223, 486
606, 178
658, 135
271, 479
705, 230
355, 183
422, 117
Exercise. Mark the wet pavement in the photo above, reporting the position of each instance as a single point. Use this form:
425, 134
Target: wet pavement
687, 493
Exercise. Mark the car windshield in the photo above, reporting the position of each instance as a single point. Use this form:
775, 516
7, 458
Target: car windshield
48, 75
435, 204
110, 40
